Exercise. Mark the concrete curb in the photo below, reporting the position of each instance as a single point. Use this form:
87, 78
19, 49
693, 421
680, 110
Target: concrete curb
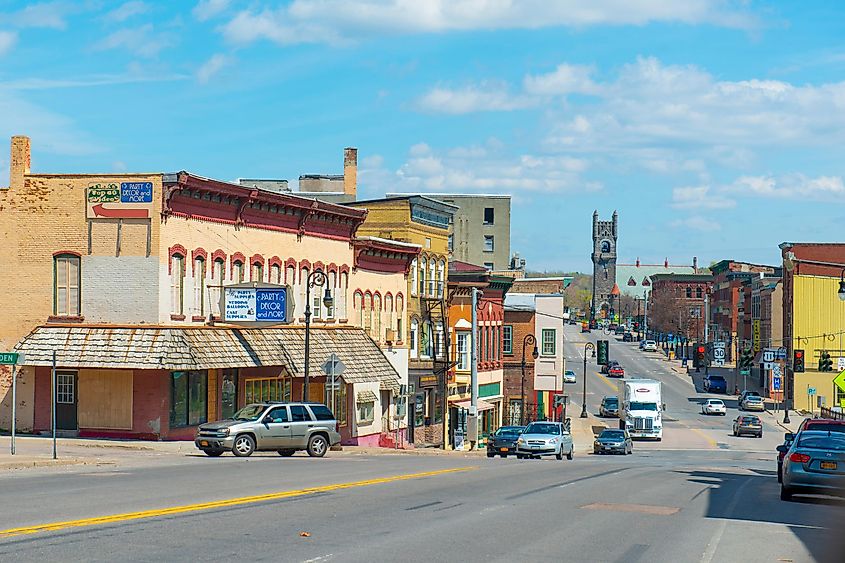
34, 463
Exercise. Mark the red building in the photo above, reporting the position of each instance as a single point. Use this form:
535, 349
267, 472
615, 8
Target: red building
677, 304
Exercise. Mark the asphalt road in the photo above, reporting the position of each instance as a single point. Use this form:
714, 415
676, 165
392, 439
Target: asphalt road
700, 495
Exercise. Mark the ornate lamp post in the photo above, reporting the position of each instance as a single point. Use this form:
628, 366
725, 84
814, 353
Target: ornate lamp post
317, 277
587, 346
529, 340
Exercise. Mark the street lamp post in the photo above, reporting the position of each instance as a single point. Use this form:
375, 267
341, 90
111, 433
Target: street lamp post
317, 277
529, 340
785, 388
587, 346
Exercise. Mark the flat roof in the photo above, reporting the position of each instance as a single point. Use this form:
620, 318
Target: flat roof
402, 194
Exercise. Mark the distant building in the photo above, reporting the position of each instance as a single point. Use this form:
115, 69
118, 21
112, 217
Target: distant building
677, 304
481, 229
604, 266
634, 279
542, 284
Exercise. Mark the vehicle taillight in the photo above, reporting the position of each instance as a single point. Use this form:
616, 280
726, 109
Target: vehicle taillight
799, 458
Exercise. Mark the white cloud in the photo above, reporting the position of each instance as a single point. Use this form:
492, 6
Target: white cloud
789, 186
211, 67
207, 9
126, 11
333, 20
565, 79
49, 15
7, 41
699, 197
479, 169
131, 77
696, 223
484, 97
143, 41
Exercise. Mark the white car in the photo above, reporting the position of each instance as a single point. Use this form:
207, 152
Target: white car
569, 376
650, 346
714, 406
753, 403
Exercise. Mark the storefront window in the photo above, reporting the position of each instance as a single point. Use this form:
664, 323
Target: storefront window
267, 389
339, 407
438, 406
188, 398
419, 410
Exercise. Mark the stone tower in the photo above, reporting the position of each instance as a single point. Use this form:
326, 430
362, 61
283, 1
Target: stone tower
604, 264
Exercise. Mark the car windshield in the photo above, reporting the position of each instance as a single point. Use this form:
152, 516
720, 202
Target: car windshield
249, 413
717, 378
508, 431
570, 372
750, 420
542, 428
613, 435
823, 441
612, 401
638, 406
650, 342
825, 426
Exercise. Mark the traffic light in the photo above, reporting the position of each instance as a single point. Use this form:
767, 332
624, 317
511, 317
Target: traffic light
700, 355
636, 326
825, 363
602, 353
746, 359
798, 361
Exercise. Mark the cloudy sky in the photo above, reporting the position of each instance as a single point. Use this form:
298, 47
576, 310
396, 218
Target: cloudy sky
715, 128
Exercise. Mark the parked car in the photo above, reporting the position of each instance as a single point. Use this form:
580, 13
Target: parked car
609, 406
788, 438
613, 441
650, 346
610, 363
752, 403
282, 427
619, 330
616, 371
822, 424
748, 424
814, 464
502, 442
714, 406
745, 394
585, 327
544, 438
627, 337
569, 376
715, 384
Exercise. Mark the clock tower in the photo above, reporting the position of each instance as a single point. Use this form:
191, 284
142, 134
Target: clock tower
604, 265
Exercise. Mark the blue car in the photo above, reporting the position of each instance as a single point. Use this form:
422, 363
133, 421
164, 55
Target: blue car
715, 384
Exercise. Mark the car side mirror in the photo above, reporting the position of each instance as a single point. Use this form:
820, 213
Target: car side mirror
782, 449
267, 419
788, 436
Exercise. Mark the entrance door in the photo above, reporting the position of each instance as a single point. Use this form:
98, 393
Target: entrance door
66, 400
229, 393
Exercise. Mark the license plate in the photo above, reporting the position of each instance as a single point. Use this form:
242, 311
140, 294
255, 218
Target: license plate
503, 449
203, 442
828, 465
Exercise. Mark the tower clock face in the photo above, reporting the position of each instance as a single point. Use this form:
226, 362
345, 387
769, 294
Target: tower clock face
604, 247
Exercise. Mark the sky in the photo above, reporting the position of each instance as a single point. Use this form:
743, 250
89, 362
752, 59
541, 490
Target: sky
714, 128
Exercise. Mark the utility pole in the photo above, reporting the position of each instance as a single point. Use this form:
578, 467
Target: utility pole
472, 419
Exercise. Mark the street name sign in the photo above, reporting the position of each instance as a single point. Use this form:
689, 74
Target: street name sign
9, 358
745, 371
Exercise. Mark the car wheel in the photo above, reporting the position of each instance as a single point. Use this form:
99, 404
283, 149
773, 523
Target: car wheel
558, 456
780, 474
317, 445
520, 456
760, 435
213, 453
490, 454
286, 453
569, 455
785, 493
244, 445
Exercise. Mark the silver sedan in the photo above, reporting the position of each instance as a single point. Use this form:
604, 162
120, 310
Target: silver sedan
544, 438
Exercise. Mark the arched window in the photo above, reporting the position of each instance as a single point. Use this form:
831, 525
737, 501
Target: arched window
333, 287
290, 276
432, 280
177, 284
414, 277
303, 281
412, 337
389, 314
400, 314
66, 278
342, 290
199, 286
238, 271
423, 265
368, 313
276, 274
425, 340
358, 307
438, 341
698, 292
257, 273
689, 292
378, 334
441, 278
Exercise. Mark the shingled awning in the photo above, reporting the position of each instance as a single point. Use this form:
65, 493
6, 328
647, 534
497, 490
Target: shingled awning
194, 348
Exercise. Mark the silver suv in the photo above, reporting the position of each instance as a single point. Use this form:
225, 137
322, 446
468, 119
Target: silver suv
282, 427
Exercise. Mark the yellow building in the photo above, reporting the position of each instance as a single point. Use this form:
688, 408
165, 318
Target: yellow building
425, 222
814, 318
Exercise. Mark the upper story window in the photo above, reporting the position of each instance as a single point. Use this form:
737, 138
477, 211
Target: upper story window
218, 273
275, 274
441, 278
199, 286
238, 271
412, 337
257, 273
698, 292
488, 215
414, 277
507, 339
549, 342
177, 284
462, 350
423, 267
432, 278
689, 292
489, 266
66, 283
488, 243
451, 242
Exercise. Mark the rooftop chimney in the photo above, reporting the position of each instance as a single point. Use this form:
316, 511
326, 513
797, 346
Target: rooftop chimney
638, 261
666, 263
695, 264
350, 171
19, 161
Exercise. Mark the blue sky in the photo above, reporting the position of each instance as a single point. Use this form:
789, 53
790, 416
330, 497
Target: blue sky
715, 128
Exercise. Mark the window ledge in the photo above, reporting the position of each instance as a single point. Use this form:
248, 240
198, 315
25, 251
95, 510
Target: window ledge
198, 319
65, 319
177, 317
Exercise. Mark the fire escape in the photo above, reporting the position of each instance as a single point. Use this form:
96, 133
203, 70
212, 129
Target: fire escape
435, 312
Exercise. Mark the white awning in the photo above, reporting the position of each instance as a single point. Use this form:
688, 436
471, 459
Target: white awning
482, 405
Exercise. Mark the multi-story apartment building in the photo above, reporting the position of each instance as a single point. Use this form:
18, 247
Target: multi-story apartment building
677, 304
423, 222
481, 229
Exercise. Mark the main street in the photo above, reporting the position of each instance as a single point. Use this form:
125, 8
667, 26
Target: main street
699, 495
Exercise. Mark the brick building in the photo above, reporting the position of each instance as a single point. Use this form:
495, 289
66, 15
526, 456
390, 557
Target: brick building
517, 348
137, 264
677, 304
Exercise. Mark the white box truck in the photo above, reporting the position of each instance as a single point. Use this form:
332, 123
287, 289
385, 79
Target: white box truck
641, 408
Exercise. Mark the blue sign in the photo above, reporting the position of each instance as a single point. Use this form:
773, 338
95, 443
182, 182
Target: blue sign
136, 192
776, 383
271, 305
781, 354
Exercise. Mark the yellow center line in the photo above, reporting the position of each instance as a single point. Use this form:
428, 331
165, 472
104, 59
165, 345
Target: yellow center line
128, 516
701, 433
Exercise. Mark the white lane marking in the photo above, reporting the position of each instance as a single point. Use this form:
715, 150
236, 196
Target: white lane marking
321, 558
713, 544
776, 524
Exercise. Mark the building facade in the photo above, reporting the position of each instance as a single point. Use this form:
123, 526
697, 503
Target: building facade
481, 228
605, 236
518, 358
677, 305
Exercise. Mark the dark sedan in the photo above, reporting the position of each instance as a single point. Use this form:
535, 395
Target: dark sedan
610, 363
612, 441
503, 441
